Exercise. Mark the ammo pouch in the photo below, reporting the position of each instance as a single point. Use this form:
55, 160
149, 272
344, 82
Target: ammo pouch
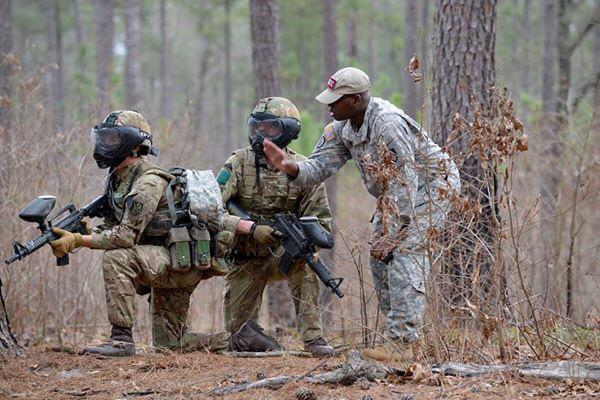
188, 248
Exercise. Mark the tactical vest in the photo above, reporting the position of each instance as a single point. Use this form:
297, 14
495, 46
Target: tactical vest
159, 225
275, 194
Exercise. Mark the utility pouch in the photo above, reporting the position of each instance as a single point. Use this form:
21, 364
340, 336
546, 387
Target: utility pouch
201, 244
180, 249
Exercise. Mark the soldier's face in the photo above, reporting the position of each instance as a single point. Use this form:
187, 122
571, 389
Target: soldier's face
345, 107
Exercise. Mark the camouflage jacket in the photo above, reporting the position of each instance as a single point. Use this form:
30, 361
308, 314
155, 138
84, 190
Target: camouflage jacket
422, 164
275, 194
139, 205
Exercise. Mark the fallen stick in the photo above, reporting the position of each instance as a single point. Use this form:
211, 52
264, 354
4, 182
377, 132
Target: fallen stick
354, 368
547, 370
251, 354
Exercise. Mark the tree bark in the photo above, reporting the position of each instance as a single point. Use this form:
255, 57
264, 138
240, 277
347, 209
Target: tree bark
133, 66
411, 99
105, 30
7, 65
373, 41
165, 64
8, 343
227, 97
526, 84
78, 30
330, 46
463, 72
54, 64
596, 99
264, 26
266, 48
350, 37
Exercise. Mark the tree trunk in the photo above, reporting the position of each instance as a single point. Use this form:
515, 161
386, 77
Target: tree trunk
411, 98
78, 30
330, 46
54, 65
264, 25
548, 93
227, 97
8, 343
350, 37
596, 99
165, 64
526, 84
465, 36
425, 42
199, 109
105, 30
6, 68
133, 66
373, 41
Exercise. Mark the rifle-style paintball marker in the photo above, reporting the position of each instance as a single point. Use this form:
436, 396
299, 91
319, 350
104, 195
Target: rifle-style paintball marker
38, 210
300, 236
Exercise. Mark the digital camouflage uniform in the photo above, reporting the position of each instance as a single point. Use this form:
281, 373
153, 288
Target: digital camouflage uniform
253, 264
134, 258
426, 179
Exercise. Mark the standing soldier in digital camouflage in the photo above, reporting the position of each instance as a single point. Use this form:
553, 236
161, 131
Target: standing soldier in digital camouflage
136, 259
263, 191
417, 199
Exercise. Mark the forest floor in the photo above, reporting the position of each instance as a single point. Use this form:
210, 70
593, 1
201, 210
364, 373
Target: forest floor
43, 373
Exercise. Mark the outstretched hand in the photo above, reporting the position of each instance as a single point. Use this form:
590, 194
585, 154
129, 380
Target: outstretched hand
278, 158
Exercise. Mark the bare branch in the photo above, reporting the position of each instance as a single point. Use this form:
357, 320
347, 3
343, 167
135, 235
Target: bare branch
584, 89
594, 20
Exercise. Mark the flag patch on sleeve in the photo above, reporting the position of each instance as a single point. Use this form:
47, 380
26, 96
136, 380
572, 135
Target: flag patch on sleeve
328, 133
223, 176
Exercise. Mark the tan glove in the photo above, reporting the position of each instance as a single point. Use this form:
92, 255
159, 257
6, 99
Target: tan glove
264, 234
86, 227
67, 242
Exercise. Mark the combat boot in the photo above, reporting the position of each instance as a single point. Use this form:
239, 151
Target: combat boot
251, 337
120, 344
395, 350
319, 348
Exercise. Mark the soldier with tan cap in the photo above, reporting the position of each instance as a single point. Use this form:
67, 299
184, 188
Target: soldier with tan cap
420, 193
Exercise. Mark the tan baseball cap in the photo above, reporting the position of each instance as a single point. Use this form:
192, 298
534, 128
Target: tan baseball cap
347, 80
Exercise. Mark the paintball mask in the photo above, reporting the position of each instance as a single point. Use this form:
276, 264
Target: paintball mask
114, 143
280, 131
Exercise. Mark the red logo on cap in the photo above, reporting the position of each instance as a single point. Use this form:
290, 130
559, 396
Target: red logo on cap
331, 83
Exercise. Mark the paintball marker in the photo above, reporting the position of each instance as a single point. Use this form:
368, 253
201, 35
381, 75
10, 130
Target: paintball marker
299, 238
37, 211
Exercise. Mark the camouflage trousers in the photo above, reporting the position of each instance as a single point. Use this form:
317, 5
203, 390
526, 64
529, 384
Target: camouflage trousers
245, 284
127, 271
400, 284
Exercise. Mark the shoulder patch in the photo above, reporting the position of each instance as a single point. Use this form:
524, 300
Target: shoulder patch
328, 133
223, 176
134, 206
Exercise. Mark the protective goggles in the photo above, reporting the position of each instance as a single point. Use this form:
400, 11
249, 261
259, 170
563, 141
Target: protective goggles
113, 137
273, 128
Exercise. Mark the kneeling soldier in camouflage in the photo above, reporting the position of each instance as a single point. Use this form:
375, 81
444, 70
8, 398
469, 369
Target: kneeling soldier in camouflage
263, 191
133, 237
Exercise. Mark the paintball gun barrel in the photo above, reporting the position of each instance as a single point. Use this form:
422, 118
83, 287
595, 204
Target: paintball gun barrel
37, 211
